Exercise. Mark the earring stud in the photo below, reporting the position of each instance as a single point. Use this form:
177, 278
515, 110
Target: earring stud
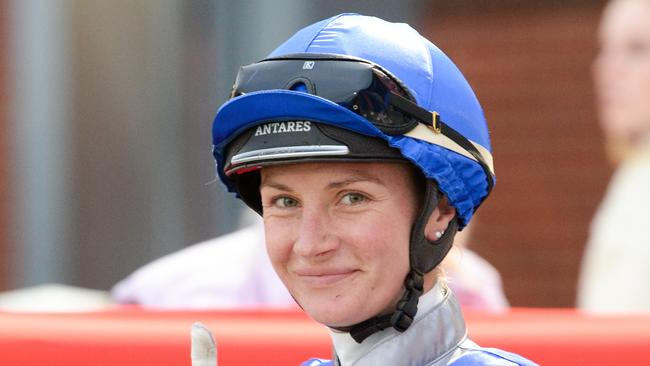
439, 234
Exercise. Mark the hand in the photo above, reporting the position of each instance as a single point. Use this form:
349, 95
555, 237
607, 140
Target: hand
204, 348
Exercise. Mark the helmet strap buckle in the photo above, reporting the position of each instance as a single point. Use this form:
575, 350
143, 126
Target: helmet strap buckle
435, 127
407, 306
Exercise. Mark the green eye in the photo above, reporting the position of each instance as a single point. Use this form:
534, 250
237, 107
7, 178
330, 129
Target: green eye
353, 198
286, 202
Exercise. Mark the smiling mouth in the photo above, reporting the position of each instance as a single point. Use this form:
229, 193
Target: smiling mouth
326, 279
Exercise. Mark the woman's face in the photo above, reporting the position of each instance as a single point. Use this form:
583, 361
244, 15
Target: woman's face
622, 70
338, 235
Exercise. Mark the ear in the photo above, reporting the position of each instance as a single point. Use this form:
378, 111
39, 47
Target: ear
439, 219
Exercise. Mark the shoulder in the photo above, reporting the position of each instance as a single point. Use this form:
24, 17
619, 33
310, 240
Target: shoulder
491, 357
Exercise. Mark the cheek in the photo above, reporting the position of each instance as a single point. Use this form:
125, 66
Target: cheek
390, 253
387, 247
278, 244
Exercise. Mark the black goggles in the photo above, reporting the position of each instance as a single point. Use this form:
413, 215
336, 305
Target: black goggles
356, 84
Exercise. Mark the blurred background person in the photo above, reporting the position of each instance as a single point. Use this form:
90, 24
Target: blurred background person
228, 272
615, 273
475, 282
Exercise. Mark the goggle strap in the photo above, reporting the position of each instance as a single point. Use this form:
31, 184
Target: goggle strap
410, 108
433, 121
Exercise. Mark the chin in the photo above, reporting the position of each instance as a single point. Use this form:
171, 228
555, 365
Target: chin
338, 320
336, 313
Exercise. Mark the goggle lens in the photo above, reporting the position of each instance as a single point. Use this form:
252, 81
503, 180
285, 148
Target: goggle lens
356, 85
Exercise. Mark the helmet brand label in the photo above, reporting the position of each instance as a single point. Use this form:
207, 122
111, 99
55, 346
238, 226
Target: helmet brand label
283, 127
308, 65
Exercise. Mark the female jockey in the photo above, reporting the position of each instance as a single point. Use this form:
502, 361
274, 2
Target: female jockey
365, 150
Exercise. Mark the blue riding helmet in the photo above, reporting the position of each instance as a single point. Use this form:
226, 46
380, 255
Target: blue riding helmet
358, 88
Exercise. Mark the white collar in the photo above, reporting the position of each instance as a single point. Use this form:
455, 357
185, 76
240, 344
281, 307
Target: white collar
436, 332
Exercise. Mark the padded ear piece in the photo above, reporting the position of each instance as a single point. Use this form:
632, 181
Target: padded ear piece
426, 254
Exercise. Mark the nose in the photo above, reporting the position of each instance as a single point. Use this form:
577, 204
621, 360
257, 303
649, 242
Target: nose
316, 240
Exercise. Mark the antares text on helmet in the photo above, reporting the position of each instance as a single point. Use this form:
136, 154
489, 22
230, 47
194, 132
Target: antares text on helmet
282, 127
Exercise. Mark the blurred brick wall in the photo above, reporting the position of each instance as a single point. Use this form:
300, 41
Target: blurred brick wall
4, 150
530, 66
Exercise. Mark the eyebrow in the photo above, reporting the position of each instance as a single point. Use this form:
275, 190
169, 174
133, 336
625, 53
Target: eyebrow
355, 179
333, 185
278, 186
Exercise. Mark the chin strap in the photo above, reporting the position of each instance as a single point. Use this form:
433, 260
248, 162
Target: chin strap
407, 306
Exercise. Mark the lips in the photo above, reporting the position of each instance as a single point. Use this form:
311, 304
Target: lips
324, 277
